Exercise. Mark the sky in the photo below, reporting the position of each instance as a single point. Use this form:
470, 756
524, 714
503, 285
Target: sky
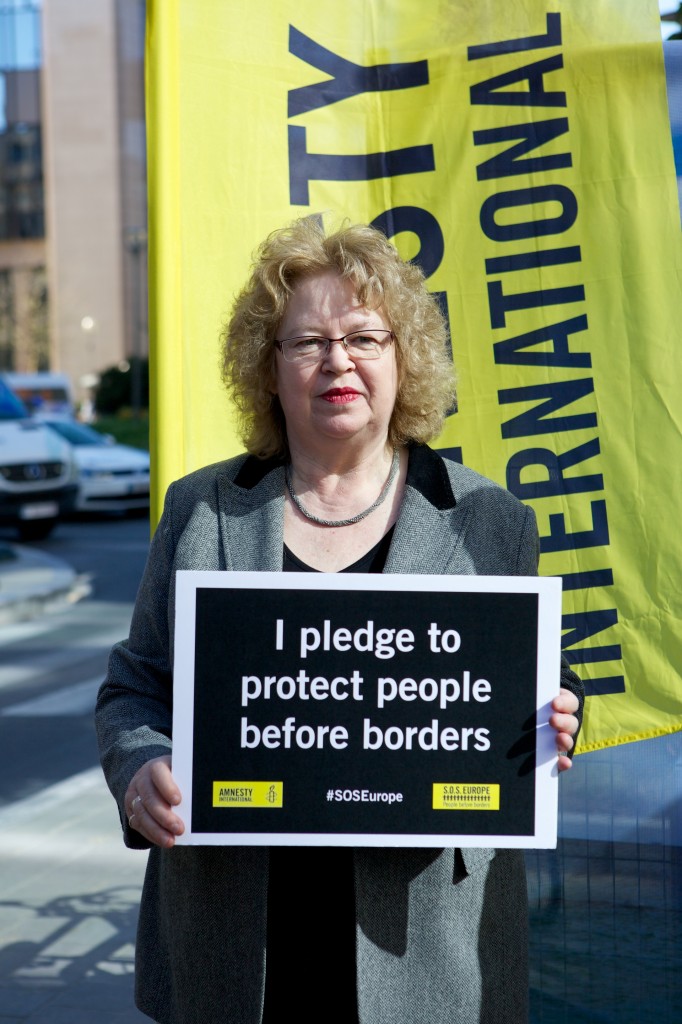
668, 7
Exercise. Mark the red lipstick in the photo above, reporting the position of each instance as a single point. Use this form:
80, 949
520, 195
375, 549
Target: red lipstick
340, 396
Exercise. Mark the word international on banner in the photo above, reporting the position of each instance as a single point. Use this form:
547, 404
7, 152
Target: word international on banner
351, 710
524, 160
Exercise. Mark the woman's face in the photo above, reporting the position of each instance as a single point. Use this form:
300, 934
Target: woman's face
338, 398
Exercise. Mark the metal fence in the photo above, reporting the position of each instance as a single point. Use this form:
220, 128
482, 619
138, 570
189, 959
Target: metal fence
606, 906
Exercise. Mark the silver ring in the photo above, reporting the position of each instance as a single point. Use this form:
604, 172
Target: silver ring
130, 819
136, 801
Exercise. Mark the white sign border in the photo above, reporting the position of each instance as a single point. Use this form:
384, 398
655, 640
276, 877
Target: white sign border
548, 589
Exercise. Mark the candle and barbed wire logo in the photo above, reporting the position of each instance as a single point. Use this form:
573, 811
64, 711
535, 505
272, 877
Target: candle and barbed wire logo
248, 794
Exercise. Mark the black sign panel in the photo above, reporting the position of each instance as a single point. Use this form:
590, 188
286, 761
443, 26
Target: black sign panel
335, 712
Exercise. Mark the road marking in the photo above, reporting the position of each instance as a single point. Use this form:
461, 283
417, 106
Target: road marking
78, 699
45, 802
61, 650
19, 631
58, 834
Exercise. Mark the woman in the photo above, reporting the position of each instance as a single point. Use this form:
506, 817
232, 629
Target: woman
336, 357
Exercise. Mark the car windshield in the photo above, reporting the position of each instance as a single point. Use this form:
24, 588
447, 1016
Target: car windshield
11, 408
77, 433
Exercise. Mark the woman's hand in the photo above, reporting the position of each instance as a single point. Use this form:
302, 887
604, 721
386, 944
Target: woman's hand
149, 803
566, 725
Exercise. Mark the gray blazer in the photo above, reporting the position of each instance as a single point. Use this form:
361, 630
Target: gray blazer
441, 934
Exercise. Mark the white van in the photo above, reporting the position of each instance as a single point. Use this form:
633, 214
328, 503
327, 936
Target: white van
43, 394
38, 476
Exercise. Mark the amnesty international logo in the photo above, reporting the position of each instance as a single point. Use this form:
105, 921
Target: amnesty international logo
248, 794
466, 796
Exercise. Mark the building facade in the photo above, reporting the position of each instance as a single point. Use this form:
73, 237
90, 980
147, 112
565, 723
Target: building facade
72, 186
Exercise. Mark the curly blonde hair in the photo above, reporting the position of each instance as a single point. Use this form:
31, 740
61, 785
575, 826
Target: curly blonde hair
363, 255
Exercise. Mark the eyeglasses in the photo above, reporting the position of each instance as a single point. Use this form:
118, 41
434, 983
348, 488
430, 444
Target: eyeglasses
358, 345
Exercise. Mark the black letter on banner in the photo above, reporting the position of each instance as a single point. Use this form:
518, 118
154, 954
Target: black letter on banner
556, 395
305, 166
560, 540
532, 135
588, 578
431, 246
527, 197
500, 304
422, 224
531, 260
551, 38
508, 352
556, 483
347, 79
488, 93
584, 624
600, 687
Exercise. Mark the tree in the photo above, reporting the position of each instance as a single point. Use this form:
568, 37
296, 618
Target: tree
115, 388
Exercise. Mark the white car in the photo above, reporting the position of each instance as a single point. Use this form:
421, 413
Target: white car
111, 476
38, 475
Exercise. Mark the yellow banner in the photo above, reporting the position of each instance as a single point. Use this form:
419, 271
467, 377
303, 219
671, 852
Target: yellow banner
525, 162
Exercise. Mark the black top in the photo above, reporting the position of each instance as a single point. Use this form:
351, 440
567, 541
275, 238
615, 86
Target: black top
373, 561
311, 903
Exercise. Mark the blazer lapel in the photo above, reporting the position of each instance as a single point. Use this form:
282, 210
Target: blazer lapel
431, 527
251, 522
428, 540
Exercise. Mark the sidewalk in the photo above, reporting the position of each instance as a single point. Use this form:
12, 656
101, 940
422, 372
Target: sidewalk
69, 897
32, 582
69, 890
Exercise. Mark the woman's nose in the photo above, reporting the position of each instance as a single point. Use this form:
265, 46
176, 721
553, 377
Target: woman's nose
336, 357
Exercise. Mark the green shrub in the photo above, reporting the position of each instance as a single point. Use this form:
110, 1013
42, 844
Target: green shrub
115, 388
125, 428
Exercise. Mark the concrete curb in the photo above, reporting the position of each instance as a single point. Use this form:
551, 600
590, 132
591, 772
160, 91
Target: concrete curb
33, 582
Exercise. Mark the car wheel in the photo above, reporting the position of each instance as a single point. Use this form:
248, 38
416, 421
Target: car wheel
36, 529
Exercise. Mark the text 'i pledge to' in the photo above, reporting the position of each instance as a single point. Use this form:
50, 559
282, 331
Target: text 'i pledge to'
382, 642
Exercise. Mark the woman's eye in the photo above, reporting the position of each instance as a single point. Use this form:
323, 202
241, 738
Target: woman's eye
304, 344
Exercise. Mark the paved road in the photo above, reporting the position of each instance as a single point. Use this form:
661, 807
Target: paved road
69, 890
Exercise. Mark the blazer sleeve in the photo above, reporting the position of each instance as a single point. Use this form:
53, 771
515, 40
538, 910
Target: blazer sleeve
134, 713
528, 557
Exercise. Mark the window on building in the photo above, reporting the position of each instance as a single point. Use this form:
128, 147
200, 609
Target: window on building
7, 323
21, 170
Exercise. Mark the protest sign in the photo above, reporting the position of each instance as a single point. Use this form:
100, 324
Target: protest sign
341, 709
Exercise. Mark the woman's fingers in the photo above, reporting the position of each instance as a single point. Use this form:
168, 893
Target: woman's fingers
151, 826
566, 702
564, 721
565, 724
564, 745
162, 778
149, 803
563, 718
